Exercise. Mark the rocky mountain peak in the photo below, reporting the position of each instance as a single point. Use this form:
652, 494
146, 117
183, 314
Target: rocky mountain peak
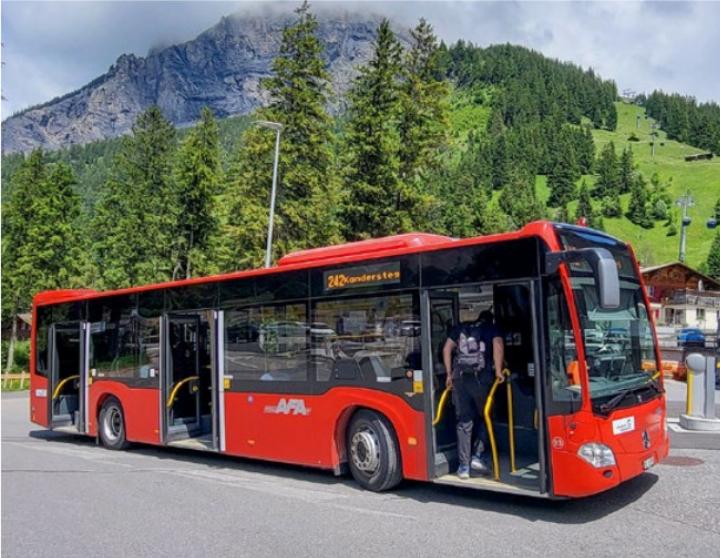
220, 68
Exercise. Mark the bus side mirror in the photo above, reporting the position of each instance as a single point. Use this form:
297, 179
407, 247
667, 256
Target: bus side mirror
603, 266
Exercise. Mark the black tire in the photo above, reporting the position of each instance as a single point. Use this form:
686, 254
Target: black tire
111, 425
372, 451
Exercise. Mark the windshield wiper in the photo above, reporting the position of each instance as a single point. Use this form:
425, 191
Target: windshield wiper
655, 385
617, 399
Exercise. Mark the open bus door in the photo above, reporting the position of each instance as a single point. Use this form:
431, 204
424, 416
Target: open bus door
69, 349
191, 380
440, 313
514, 306
516, 455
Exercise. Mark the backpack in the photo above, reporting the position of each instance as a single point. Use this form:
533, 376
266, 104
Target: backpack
471, 349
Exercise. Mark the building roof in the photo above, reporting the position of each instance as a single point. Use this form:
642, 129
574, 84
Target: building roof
708, 282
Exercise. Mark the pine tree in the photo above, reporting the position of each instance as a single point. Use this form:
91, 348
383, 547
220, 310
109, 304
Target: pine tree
463, 205
563, 175
608, 182
611, 207
136, 217
584, 149
496, 220
713, 259
519, 200
197, 180
611, 118
40, 236
637, 208
306, 210
563, 214
585, 209
626, 170
378, 201
500, 161
423, 118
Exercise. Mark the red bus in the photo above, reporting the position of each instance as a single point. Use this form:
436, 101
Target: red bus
333, 359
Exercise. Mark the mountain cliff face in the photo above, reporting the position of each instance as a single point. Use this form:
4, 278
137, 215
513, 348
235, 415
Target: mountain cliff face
221, 68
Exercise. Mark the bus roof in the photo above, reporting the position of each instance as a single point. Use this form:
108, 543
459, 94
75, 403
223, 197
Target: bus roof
375, 248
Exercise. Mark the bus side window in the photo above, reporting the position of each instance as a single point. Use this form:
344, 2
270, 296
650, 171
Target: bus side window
373, 339
44, 318
112, 339
267, 343
564, 372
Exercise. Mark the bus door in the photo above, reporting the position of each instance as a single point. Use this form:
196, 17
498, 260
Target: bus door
515, 316
218, 379
69, 378
188, 380
440, 315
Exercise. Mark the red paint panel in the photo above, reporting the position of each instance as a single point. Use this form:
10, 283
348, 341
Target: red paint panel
629, 449
140, 406
571, 475
303, 429
39, 403
574, 477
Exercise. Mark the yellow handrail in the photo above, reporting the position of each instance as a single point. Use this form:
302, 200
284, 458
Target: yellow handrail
177, 387
491, 433
511, 424
441, 407
61, 384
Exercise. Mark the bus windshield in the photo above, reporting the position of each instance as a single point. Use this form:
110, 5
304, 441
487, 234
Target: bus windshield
619, 346
618, 343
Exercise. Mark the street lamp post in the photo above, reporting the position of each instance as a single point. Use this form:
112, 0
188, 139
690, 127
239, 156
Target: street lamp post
277, 127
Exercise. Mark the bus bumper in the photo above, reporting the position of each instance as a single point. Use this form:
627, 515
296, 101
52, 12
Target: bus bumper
634, 453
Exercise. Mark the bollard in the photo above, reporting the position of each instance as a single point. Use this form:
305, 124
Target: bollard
700, 410
710, 371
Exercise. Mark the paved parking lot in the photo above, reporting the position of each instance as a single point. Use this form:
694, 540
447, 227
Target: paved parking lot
63, 496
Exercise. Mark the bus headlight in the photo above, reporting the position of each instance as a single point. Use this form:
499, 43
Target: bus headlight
598, 455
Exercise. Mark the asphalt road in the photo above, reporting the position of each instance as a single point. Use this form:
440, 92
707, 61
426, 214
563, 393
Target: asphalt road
63, 496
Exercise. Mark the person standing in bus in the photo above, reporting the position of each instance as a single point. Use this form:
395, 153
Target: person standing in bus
470, 354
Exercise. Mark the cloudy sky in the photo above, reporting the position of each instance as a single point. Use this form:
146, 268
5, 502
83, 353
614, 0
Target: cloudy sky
50, 48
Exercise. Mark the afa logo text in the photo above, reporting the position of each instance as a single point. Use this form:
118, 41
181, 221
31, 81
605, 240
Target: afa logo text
288, 407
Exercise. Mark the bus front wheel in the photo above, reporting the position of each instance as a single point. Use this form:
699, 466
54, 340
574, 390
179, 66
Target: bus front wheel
373, 453
112, 425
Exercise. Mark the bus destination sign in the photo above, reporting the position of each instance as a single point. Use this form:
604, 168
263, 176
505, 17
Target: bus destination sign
362, 276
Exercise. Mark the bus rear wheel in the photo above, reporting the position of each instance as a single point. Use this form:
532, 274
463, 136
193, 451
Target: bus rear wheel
373, 453
112, 425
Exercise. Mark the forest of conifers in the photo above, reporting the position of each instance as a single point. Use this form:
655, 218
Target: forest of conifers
446, 139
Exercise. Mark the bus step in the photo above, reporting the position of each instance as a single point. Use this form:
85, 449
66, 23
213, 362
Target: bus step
482, 483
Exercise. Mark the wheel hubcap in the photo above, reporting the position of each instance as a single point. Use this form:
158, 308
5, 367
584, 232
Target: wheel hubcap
113, 424
365, 450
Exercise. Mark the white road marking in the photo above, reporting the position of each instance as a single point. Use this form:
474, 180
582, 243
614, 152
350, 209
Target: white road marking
244, 480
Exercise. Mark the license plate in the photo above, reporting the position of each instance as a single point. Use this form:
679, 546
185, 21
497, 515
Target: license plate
649, 462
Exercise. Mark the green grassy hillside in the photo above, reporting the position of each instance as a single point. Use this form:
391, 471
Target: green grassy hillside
700, 178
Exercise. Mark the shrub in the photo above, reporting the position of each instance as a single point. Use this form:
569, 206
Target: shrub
21, 357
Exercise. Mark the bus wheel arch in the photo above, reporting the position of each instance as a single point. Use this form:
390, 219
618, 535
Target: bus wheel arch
368, 442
